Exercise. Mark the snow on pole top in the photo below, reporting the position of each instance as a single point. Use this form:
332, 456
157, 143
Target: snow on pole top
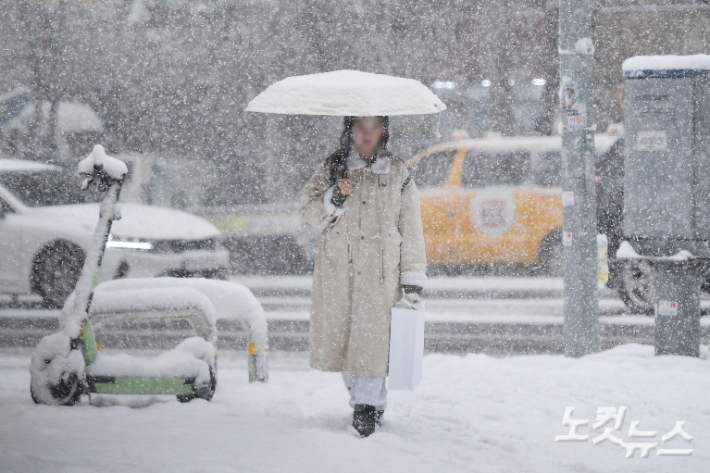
114, 168
347, 93
641, 67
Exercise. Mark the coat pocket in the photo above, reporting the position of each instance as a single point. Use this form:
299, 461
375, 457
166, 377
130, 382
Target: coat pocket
392, 251
334, 246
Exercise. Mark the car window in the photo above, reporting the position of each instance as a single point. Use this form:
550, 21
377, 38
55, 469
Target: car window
433, 170
547, 169
43, 188
483, 169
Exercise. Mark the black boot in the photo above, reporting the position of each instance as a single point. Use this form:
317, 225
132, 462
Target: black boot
364, 419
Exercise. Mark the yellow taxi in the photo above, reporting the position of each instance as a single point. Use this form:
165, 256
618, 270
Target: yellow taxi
494, 201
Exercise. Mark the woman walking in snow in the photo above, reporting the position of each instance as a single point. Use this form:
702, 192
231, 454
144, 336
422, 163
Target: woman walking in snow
370, 255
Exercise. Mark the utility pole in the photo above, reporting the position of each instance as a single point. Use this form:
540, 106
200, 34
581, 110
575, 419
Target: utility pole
579, 236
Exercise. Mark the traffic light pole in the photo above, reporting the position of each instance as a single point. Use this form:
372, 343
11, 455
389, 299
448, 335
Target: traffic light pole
579, 236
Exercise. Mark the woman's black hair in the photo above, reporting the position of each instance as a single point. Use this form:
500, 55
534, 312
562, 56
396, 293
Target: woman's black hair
338, 160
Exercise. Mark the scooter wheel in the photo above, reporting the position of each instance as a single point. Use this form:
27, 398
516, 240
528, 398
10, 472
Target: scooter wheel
66, 393
205, 393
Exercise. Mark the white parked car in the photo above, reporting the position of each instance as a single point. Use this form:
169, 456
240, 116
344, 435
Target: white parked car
46, 226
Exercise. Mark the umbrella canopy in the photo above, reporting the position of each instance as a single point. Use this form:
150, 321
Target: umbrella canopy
347, 93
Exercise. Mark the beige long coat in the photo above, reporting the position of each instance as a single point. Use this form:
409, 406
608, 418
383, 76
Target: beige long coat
368, 247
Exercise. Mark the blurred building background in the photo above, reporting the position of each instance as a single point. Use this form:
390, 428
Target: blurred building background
173, 76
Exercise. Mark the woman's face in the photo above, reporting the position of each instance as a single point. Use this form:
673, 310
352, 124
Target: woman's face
367, 133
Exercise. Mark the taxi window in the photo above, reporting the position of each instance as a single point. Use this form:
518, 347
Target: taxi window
547, 169
483, 169
433, 170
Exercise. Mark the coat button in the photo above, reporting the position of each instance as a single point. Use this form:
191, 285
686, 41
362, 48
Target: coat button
363, 202
362, 237
359, 273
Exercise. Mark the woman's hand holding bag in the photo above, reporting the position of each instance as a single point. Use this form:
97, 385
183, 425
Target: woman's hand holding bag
412, 299
407, 341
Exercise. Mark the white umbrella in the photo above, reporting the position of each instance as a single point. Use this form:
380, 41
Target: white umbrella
347, 93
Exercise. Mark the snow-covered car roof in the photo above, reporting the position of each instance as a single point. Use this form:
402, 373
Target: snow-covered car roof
21, 165
138, 221
602, 142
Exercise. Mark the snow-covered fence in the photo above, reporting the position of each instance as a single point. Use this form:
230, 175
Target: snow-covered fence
213, 298
145, 303
230, 300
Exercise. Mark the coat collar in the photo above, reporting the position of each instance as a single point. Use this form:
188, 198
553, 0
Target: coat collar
381, 165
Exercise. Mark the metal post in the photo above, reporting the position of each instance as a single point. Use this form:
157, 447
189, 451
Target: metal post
676, 287
581, 330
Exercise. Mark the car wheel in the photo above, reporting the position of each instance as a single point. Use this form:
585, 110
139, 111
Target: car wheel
549, 256
637, 290
56, 271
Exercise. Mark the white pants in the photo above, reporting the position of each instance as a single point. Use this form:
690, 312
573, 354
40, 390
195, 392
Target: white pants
366, 390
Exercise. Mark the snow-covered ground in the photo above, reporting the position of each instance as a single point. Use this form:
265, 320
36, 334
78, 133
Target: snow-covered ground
474, 414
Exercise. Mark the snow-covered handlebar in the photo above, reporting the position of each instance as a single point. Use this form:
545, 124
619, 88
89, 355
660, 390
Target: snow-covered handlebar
108, 174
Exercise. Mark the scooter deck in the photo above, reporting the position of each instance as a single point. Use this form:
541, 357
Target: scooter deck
139, 385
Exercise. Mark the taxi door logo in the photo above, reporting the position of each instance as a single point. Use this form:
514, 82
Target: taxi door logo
492, 213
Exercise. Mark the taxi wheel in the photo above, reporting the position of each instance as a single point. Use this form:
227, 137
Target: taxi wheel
549, 255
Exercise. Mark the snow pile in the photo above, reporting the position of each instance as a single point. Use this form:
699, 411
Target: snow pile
626, 251
584, 47
53, 360
230, 300
638, 64
97, 159
200, 349
347, 93
470, 414
157, 302
178, 363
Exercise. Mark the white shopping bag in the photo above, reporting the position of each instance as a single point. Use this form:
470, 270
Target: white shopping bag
406, 348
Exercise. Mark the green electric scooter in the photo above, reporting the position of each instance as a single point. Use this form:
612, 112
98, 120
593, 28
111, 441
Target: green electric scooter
69, 363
